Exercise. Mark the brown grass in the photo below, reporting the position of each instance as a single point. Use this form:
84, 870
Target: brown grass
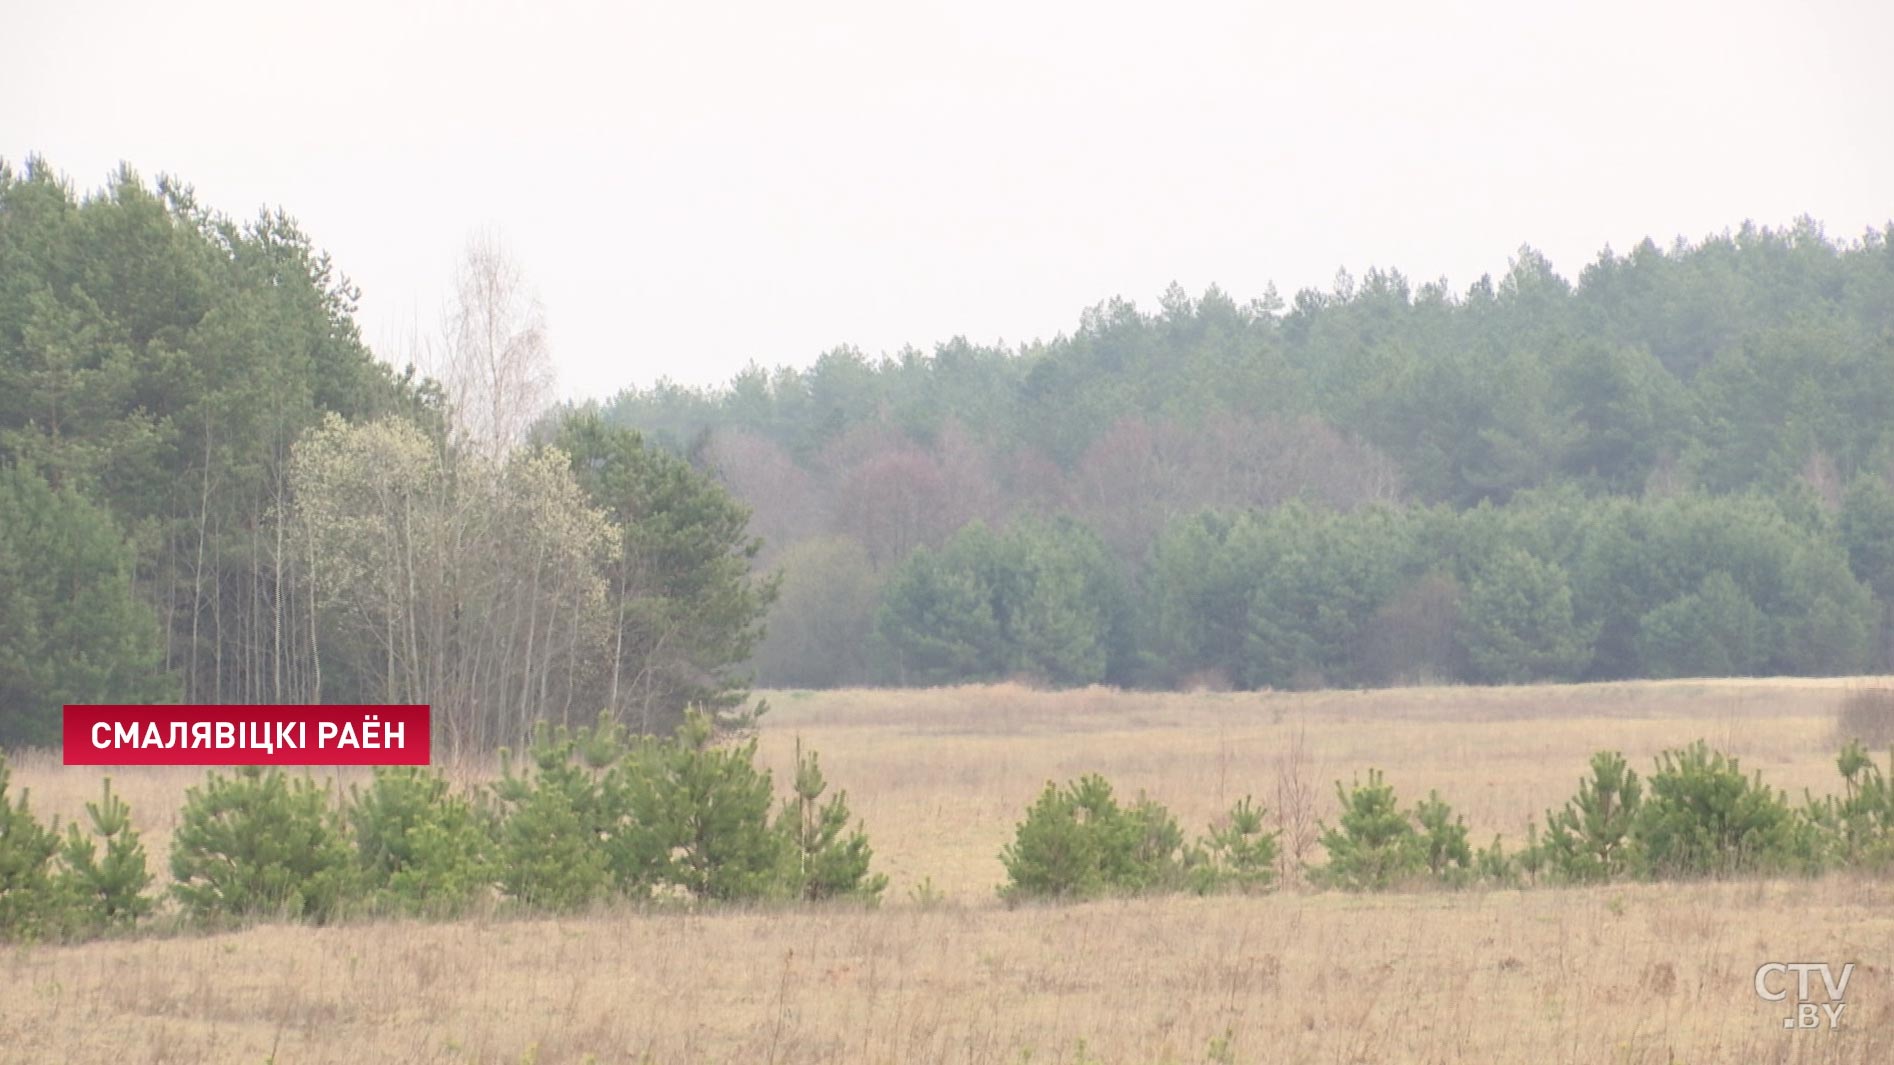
1638, 973
1866, 714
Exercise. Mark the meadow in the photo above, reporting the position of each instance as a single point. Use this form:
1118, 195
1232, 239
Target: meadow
944, 971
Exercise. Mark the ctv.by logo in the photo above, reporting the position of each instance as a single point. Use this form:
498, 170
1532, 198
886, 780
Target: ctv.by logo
1773, 985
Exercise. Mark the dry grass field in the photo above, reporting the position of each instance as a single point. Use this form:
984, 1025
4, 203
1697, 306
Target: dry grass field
1636, 973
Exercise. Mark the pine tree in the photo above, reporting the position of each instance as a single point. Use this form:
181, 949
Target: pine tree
1374, 846
1591, 838
30, 903
1078, 841
1519, 623
1240, 853
553, 850
1704, 817
420, 847
825, 863
109, 891
71, 629
1054, 854
700, 816
260, 844
1443, 840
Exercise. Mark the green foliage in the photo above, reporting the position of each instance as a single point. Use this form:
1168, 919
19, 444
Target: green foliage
71, 631
925, 896
1867, 533
1318, 580
1723, 362
1055, 851
1279, 599
1591, 838
700, 818
1860, 821
1628, 473
158, 359
159, 362
259, 843
1704, 817
557, 837
1041, 599
31, 903
1698, 584
937, 618
420, 847
1519, 623
1443, 841
109, 890
1492, 865
1715, 631
1239, 854
1697, 815
1374, 846
1531, 861
1656, 441
594, 815
1146, 852
824, 859
688, 607
1078, 842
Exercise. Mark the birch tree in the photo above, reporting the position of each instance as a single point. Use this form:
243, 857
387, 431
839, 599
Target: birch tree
497, 369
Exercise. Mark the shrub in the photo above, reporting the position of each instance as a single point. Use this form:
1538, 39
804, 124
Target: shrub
1443, 841
1054, 851
1374, 847
1866, 715
1860, 822
31, 903
558, 820
1704, 817
1238, 854
260, 843
595, 813
1494, 866
420, 847
1590, 840
1146, 851
823, 862
1077, 842
107, 891
700, 817
1531, 859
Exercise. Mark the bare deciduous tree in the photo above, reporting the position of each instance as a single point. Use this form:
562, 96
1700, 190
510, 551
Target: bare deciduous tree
478, 588
1295, 806
496, 365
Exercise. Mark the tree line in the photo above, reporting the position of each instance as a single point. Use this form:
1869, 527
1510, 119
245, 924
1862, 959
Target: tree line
1554, 586
1755, 364
212, 490
1742, 360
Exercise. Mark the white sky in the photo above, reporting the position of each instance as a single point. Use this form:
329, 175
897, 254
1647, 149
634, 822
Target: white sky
695, 186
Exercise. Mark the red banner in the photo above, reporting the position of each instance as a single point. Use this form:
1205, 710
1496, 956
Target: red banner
246, 735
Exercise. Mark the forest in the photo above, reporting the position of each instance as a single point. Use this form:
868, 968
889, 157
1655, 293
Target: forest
1678, 464
212, 490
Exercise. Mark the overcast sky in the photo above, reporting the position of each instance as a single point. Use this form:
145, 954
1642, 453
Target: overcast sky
696, 186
